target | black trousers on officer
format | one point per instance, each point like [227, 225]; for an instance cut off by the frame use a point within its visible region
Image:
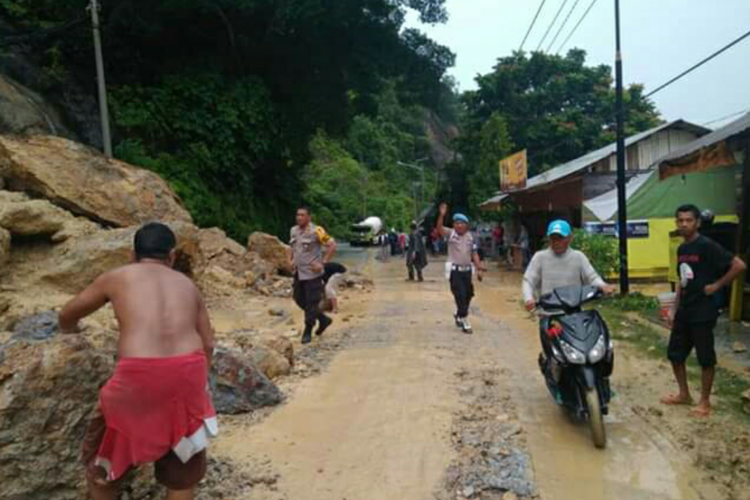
[307, 295]
[463, 291]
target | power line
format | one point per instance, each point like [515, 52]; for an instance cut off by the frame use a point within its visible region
[575, 28]
[732, 115]
[570, 12]
[533, 22]
[549, 28]
[697, 65]
[28, 36]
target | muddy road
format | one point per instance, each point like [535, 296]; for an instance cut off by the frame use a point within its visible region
[409, 408]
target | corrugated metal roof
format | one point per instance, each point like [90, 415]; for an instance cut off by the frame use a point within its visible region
[494, 201]
[604, 206]
[585, 161]
[734, 128]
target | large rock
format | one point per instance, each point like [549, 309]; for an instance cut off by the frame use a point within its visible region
[26, 217]
[4, 246]
[238, 385]
[86, 183]
[77, 262]
[272, 249]
[23, 111]
[47, 391]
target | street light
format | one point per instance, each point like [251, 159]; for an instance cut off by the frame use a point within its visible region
[421, 171]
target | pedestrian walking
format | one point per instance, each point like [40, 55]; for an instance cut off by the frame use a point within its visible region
[462, 253]
[416, 255]
[306, 243]
[704, 267]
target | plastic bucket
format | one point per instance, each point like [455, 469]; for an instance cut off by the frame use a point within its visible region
[666, 302]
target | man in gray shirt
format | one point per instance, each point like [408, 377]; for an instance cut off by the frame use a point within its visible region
[557, 266]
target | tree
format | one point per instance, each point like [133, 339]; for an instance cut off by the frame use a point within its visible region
[556, 107]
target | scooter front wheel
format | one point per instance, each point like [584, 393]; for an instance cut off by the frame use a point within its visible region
[596, 418]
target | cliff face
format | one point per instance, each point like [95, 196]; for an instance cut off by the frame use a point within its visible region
[33, 101]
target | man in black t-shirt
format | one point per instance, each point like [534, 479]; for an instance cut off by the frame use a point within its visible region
[704, 268]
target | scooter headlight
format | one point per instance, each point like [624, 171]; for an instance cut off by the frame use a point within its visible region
[598, 351]
[572, 355]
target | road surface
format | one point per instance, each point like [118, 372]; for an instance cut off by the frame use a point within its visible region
[377, 423]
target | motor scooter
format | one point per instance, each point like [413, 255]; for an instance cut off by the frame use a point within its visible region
[577, 355]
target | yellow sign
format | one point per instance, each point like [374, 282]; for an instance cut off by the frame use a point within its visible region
[513, 172]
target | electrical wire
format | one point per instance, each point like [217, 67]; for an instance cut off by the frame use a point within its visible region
[549, 28]
[533, 22]
[732, 115]
[562, 26]
[697, 65]
[575, 28]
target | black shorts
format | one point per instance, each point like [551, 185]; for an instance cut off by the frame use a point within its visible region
[685, 336]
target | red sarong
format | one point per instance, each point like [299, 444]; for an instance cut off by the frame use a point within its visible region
[152, 406]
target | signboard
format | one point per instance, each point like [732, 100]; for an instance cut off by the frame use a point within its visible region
[513, 172]
[636, 228]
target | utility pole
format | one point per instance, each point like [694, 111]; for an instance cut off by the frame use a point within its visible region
[102, 86]
[622, 209]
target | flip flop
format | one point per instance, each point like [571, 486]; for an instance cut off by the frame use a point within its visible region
[674, 400]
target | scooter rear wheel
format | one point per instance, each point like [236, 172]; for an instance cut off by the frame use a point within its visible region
[596, 419]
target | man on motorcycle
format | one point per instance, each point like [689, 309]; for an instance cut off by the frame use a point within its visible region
[558, 266]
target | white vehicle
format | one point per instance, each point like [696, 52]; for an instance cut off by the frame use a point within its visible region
[366, 232]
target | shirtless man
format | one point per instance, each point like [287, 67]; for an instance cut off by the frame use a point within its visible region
[156, 407]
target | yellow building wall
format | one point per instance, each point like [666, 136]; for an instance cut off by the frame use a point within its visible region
[652, 257]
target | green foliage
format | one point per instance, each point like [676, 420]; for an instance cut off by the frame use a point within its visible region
[495, 144]
[556, 107]
[602, 251]
[634, 301]
[223, 97]
[212, 140]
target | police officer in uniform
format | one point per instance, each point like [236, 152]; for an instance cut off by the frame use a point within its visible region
[306, 243]
[462, 253]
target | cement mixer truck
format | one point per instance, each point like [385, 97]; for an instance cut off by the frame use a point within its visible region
[365, 233]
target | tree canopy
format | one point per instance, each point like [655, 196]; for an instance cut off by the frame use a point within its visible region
[556, 107]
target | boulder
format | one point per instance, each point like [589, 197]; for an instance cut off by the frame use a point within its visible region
[47, 391]
[26, 217]
[217, 280]
[238, 385]
[86, 183]
[272, 249]
[269, 361]
[215, 243]
[23, 111]
[77, 262]
[280, 344]
[4, 246]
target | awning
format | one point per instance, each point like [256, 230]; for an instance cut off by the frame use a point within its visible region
[604, 206]
[708, 152]
[493, 203]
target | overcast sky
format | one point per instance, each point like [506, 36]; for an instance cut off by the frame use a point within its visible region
[660, 39]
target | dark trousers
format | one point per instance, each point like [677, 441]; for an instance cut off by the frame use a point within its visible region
[463, 291]
[412, 265]
[307, 295]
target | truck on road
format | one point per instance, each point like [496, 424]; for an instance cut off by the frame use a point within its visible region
[366, 233]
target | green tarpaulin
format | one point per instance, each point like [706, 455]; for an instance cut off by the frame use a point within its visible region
[715, 190]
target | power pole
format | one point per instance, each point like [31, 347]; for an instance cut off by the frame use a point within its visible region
[622, 209]
[102, 86]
